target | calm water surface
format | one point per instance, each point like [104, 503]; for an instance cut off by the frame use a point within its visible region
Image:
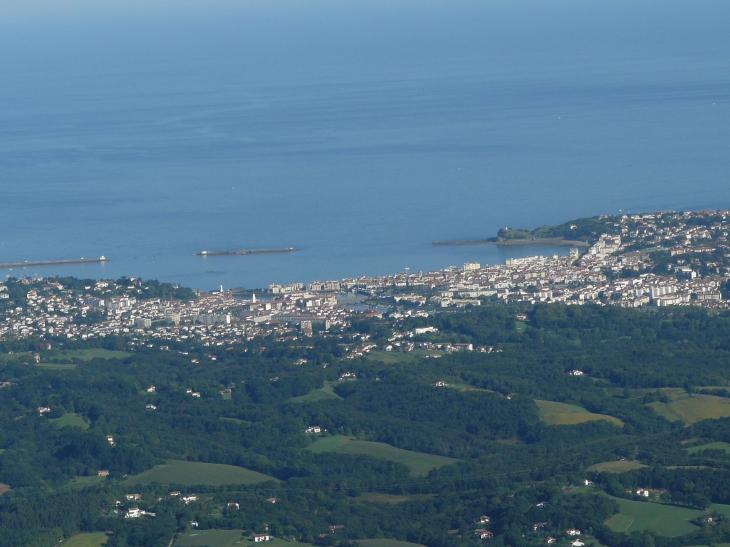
[357, 132]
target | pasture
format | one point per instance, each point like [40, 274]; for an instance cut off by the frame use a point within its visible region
[210, 538]
[70, 419]
[693, 408]
[553, 413]
[622, 466]
[418, 462]
[77, 483]
[635, 516]
[233, 420]
[723, 509]
[194, 473]
[325, 392]
[56, 366]
[94, 539]
[86, 354]
[710, 446]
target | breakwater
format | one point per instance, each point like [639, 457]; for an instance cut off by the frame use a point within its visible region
[50, 262]
[245, 251]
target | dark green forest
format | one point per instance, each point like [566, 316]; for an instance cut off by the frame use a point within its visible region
[639, 367]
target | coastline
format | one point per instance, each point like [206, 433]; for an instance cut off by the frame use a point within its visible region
[547, 241]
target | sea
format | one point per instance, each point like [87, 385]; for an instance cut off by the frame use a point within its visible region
[356, 131]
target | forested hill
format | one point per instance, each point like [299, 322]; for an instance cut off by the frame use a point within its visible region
[543, 418]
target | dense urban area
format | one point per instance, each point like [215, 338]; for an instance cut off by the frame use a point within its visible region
[579, 400]
[660, 259]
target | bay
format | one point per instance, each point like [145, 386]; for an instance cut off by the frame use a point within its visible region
[357, 132]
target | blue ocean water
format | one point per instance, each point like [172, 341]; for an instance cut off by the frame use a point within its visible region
[358, 132]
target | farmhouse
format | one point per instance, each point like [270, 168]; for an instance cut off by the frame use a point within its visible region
[233, 504]
[576, 372]
[538, 526]
[572, 532]
[103, 473]
[587, 482]
[440, 383]
[194, 523]
[549, 540]
[151, 389]
[188, 499]
[484, 519]
[261, 537]
[642, 492]
[576, 543]
[110, 439]
[483, 533]
[271, 500]
[313, 429]
[133, 496]
[334, 527]
[43, 409]
[175, 493]
[150, 406]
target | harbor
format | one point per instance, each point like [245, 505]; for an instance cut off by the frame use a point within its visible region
[245, 251]
[5, 265]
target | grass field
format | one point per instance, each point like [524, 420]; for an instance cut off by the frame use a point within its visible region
[211, 538]
[386, 543]
[193, 473]
[419, 463]
[694, 408]
[553, 413]
[666, 520]
[56, 366]
[4, 488]
[721, 508]
[233, 420]
[70, 419]
[78, 483]
[374, 497]
[325, 392]
[710, 446]
[94, 539]
[616, 467]
[85, 354]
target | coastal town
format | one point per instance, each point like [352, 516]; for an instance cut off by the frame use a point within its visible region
[656, 259]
